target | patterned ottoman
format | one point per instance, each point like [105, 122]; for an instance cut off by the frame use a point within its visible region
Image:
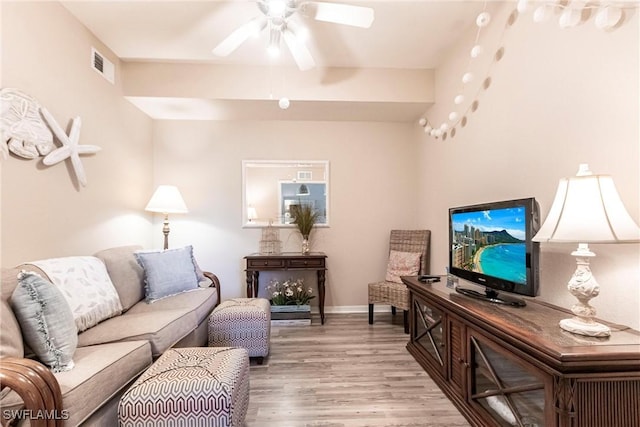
[242, 322]
[190, 387]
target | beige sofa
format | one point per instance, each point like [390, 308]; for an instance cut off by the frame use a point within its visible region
[109, 355]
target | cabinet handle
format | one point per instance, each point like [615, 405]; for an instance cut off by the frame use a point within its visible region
[266, 263]
[306, 262]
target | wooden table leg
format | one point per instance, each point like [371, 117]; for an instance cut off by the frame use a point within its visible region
[256, 274]
[321, 278]
[252, 284]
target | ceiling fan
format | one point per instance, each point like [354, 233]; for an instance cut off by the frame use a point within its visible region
[280, 18]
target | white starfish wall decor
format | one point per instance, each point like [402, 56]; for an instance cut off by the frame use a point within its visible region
[25, 131]
[70, 147]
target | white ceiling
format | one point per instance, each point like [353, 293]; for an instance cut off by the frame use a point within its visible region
[404, 35]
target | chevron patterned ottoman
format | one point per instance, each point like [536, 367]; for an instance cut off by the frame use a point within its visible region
[190, 387]
[242, 322]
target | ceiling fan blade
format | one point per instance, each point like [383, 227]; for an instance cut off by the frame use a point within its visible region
[242, 33]
[347, 14]
[299, 51]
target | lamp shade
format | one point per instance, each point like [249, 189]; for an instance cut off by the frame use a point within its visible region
[303, 190]
[167, 199]
[588, 209]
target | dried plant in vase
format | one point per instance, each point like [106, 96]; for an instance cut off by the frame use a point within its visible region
[305, 217]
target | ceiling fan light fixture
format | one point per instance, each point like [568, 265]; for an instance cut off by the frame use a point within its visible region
[275, 34]
[281, 17]
[276, 8]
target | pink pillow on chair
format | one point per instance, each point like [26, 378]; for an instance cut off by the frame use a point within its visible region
[402, 264]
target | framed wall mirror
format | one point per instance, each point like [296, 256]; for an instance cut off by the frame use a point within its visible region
[271, 189]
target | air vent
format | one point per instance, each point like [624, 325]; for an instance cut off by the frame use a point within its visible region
[305, 175]
[102, 65]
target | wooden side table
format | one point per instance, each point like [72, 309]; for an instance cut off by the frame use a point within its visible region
[287, 261]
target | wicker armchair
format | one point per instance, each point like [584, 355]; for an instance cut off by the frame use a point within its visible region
[397, 294]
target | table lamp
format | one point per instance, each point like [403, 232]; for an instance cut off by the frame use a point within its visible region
[586, 209]
[166, 199]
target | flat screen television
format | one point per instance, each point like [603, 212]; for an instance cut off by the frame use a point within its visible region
[490, 244]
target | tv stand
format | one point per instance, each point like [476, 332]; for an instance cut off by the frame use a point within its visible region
[493, 296]
[502, 365]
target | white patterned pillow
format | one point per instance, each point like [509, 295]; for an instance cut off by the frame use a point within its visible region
[402, 264]
[85, 284]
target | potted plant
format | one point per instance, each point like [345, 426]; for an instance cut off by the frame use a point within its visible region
[305, 217]
[289, 292]
[290, 302]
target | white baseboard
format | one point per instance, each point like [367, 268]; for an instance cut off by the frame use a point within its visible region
[378, 308]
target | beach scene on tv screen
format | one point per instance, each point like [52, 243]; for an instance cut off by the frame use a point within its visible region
[491, 242]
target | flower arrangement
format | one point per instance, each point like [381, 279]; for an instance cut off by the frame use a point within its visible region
[289, 292]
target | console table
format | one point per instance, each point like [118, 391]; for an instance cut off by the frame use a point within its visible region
[287, 261]
[503, 365]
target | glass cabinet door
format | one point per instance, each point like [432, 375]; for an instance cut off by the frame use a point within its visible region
[511, 392]
[428, 332]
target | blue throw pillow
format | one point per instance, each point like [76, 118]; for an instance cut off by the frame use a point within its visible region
[46, 321]
[168, 272]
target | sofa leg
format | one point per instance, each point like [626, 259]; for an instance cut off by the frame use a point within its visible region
[393, 310]
[405, 316]
[371, 314]
[260, 360]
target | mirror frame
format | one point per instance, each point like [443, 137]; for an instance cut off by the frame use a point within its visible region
[278, 220]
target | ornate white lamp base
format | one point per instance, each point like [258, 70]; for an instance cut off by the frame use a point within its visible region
[584, 286]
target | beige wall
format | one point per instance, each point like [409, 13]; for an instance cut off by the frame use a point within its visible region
[46, 53]
[372, 184]
[557, 98]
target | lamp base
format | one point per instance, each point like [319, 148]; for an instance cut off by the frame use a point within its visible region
[584, 287]
[580, 327]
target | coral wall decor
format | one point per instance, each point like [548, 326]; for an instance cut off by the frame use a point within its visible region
[26, 127]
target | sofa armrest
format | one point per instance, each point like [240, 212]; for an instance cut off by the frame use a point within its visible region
[38, 388]
[215, 283]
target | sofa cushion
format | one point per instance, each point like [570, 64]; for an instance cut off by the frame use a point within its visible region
[200, 302]
[168, 272]
[9, 282]
[162, 328]
[11, 337]
[46, 321]
[86, 285]
[126, 274]
[100, 372]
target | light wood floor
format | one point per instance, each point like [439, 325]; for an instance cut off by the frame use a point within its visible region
[345, 373]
